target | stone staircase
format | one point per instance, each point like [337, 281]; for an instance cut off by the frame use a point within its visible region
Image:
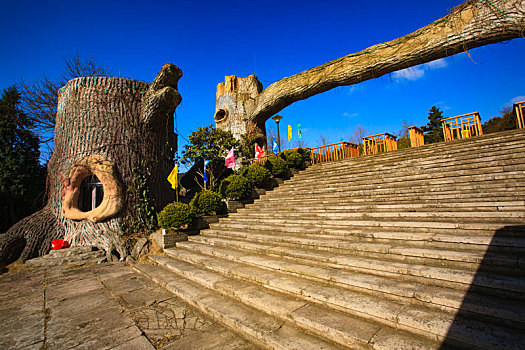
[421, 248]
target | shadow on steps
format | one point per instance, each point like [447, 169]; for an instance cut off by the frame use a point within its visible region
[502, 277]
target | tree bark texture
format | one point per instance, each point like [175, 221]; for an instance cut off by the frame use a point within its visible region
[473, 24]
[114, 128]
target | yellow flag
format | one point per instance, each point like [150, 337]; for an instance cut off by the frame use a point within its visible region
[173, 178]
[289, 133]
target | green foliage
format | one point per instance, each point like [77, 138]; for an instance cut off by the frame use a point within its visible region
[208, 202]
[175, 215]
[276, 165]
[208, 143]
[256, 175]
[507, 121]
[296, 158]
[434, 130]
[247, 148]
[22, 178]
[142, 217]
[235, 187]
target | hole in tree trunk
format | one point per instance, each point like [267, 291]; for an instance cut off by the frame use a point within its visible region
[91, 193]
[16, 248]
[220, 115]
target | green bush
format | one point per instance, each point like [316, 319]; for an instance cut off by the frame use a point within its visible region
[208, 202]
[175, 215]
[277, 166]
[235, 187]
[256, 175]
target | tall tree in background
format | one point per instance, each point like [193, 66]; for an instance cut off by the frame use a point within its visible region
[22, 178]
[40, 98]
[507, 121]
[433, 130]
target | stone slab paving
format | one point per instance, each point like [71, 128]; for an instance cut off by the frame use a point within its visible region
[105, 306]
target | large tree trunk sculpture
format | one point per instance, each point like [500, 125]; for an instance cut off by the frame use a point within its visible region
[115, 129]
[242, 109]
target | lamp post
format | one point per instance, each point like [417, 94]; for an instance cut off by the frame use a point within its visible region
[277, 119]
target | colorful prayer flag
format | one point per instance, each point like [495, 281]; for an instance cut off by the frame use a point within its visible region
[289, 133]
[258, 152]
[172, 178]
[299, 134]
[275, 147]
[230, 159]
[205, 178]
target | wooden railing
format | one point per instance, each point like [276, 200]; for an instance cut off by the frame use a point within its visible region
[377, 143]
[416, 136]
[332, 152]
[462, 127]
[326, 153]
[519, 107]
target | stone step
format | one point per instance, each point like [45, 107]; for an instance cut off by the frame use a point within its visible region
[497, 262]
[448, 182]
[262, 329]
[372, 229]
[422, 321]
[498, 244]
[434, 152]
[418, 180]
[517, 216]
[68, 256]
[497, 156]
[314, 173]
[397, 288]
[380, 206]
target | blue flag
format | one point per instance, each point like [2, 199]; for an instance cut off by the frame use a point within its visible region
[275, 146]
[205, 178]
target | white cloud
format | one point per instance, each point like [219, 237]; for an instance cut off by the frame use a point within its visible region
[412, 73]
[350, 115]
[516, 99]
[441, 63]
[417, 72]
[355, 88]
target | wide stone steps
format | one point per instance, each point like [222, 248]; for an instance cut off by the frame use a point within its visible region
[282, 310]
[497, 262]
[356, 167]
[415, 249]
[261, 328]
[380, 206]
[394, 314]
[439, 153]
[415, 170]
[511, 246]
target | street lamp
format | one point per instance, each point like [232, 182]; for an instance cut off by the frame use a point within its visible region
[277, 119]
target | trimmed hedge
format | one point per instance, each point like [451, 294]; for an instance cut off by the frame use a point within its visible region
[235, 187]
[296, 158]
[175, 215]
[208, 202]
[277, 166]
[256, 175]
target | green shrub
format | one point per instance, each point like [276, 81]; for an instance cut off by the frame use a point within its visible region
[175, 215]
[235, 187]
[208, 202]
[256, 175]
[277, 166]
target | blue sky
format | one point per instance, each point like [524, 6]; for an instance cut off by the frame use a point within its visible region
[274, 39]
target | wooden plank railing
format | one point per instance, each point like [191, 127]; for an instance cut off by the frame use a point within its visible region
[519, 107]
[416, 136]
[333, 152]
[326, 153]
[377, 143]
[462, 126]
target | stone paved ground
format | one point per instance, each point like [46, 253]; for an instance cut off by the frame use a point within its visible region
[106, 306]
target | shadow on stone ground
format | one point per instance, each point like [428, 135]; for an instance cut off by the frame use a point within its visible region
[508, 316]
[106, 306]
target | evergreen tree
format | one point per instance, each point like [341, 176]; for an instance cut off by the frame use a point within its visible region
[434, 130]
[22, 178]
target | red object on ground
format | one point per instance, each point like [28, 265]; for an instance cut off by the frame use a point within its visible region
[59, 244]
